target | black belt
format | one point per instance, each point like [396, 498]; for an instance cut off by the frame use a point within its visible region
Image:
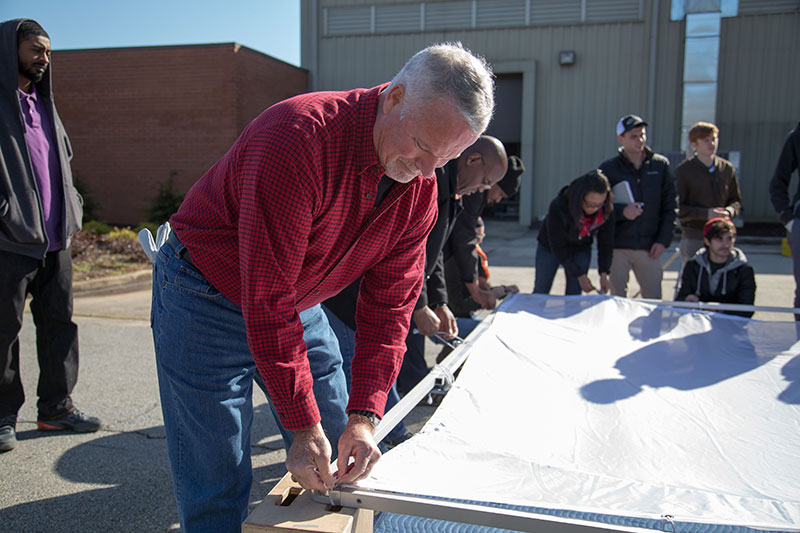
[176, 243]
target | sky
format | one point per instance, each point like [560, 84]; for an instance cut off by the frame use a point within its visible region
[269, 26]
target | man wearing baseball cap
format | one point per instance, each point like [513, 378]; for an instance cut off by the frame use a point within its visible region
[646, 218]
[719, 272]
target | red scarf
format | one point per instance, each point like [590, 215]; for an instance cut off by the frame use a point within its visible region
[590, 222]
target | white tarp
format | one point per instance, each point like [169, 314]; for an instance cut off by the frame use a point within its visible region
[606, 405]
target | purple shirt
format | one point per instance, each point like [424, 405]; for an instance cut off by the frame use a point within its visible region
[40, 138]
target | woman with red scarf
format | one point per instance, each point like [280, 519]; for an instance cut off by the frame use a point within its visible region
[579, 211]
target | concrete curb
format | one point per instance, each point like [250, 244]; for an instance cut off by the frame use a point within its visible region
[124, 282]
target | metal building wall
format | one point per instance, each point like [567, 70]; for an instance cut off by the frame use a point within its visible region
[758, 101]
[569, 112]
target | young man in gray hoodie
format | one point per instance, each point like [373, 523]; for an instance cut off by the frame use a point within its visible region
[719, 272]
[40, 210]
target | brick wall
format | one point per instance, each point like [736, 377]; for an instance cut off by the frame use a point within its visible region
[137, 115]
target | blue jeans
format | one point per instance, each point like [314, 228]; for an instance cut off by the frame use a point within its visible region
[547, 265]
[347, 345]
[205, 375]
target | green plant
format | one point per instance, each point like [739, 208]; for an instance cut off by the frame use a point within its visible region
[124, 233]
[152, 226]
[96, 227]
[166, 202]
[90, 204]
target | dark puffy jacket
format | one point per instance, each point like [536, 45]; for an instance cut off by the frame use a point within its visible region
[652, 184]
[732, 283]
[22, 229]
[560, 234]
[788, 162]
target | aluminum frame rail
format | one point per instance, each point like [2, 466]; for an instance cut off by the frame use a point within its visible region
[467, 513]
[716, 306]
[440, 375]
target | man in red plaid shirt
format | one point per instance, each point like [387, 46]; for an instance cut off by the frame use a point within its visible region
[318, 190]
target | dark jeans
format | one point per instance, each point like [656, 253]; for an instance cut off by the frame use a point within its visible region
[414, 365]
[50, 284]
[347, 345]
[793, 237]
[547, 265]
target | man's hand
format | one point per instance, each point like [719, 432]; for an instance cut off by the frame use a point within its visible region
[714, 212]
[447, 321]
[309, 459]
[656, 250]
[586, 284]
[502, 291]
[692, 298]
[483, 297]
[632, 211]
[604, 288]
[357, 442]
[426, 320]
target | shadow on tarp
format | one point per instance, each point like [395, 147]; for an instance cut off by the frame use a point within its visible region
[791, 371]
[732, 346]
[138, 494]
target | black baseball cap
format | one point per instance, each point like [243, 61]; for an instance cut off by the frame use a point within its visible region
[629, 122]
[511, 181]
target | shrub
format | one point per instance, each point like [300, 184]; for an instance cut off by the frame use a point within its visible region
[166, 202]
[124, 233]
[152, 226]
[90, 204]
[97, 228]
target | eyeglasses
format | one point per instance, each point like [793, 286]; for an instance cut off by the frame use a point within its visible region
[588, 205]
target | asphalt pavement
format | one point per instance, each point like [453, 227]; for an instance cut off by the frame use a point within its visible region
[118, 478]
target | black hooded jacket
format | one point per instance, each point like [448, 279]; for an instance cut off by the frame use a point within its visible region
[22, 229]
[561, 235]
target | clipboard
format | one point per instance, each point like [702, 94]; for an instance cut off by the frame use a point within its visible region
[622, 193]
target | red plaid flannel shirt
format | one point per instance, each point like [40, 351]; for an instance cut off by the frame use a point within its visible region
[286, 219]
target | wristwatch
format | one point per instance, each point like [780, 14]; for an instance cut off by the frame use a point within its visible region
[373, 418]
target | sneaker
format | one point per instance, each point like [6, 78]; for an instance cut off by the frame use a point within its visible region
[8, 433]
[74, 420]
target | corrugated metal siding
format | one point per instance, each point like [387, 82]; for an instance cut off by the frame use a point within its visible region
[555, 11]
[402, 17]
[448, 15]
[758, 101]
[501, 13]
[612, 10]
[759, 7]
[347, 21]
[576, 108]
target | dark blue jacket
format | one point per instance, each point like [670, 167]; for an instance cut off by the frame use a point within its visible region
[788, 162]
[652, 184]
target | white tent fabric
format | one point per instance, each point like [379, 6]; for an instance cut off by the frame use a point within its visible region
[604, 405]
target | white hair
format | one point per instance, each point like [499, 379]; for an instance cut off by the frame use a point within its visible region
[450, 70]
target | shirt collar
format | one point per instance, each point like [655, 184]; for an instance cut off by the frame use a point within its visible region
[365, 155]
[30, 96]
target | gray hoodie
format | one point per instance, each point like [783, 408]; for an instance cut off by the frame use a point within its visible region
[736, 259]
[22, 229]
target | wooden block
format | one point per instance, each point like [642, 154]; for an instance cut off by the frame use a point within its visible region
[289, 508]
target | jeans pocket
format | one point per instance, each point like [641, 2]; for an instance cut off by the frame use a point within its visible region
[189, 280]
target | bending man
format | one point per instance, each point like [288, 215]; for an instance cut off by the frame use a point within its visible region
[318, 191]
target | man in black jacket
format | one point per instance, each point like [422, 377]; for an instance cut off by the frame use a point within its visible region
[788, 162]
[467, 288]
[644, 225]
[39, 212]
[477, 169]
